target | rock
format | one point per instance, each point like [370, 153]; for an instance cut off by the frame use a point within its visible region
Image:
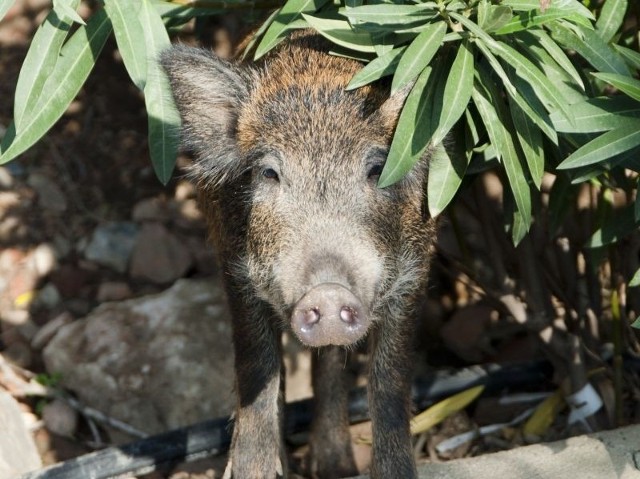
[43, 259]
[48, 297]
[60, 418]
[112, 244]
[156, 362]
[150, 209]
[6, 180]
[48, 331]
[50, 195]
[18, 453]
[113, 291]
[159, 256]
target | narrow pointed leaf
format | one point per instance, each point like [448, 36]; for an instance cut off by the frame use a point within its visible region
[443, 409]
[611, 18]
[418, 55]
[67, 8]
[503, 142]
[529, 103]
[457, 92]
[530, 140]
[38, 65]
[402, 155]
[591, 47]
[598, 114]
[289, 12]
[130, 38]
[525, 69]
[605, 146]
[77, 58]
[556, 53]
[164, 121]
[632, 57]
[495, 18]
[574, 6]
[624, 83]
[340, 33]
[382, 14]
[377, 68]
[544, 415]
[534, 18]
[445, 177]
[635, 281]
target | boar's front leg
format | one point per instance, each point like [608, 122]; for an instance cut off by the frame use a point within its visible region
[390, 400]
[331, 452]
[256, 447]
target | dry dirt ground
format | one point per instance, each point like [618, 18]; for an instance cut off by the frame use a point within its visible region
[93, 168]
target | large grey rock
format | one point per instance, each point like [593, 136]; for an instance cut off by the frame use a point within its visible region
[157, 362]
[18, 453]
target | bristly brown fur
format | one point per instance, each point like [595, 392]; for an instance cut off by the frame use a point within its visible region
[284, 162]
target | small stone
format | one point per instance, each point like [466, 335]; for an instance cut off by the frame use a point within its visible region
[49, 330]
[6, 180]
[113, 291]
[112, 244]
[60, 418]
[19, 353]
[50, 195]
[186, 214]
[48, 297]
[159, 256]
[43, 259]
[184, 191]
[150, 209]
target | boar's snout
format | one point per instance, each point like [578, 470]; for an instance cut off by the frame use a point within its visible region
[329, 314]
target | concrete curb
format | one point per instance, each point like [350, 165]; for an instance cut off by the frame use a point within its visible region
[605, 455]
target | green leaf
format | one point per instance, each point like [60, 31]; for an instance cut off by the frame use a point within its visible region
[573, 6]
[591, 47]
[77, 58]
[130, 38]
[340, 33]
[402, 154]
[445, 177]
[545, 90]
[533, 18]
[616, 226]
[38, 65]
[67, 8]
[555, 52]
[499, 129]
[530, 140]
[632, 57]
[637, 202]
[418, 55]
[377, 68]
[624, 83]
[5, 5]
[164, 120]
[494, 17]
[611, 18]
[457, 92]
[635, 281]
[289, 12]
[636, 323]
[443, 409]
[605, 146]
[597, 114]
[383, 14]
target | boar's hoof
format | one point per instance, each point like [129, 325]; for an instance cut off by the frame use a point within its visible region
[329, 314]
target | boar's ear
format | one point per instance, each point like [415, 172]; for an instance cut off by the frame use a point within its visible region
[209, 93]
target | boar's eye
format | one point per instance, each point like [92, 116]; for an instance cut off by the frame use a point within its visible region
[375, 171]
[270, 174]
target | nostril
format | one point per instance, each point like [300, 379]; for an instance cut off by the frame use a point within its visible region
[348, 314]
[311, 316]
